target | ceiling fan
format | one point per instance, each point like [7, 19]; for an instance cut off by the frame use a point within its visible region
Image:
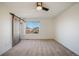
[41, 7]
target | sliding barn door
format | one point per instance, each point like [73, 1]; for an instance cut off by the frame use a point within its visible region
[16, 31]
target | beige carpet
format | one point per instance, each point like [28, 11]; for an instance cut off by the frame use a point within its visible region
[39, 48]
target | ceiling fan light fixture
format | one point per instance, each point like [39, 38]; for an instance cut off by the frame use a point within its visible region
[39, 7]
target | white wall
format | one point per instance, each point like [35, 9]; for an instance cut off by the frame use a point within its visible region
[45, 31]
[67, 28]
[5, 29]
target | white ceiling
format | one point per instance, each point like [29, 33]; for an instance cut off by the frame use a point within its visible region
[27, 9]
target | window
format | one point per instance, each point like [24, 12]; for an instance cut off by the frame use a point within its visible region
[32, 27]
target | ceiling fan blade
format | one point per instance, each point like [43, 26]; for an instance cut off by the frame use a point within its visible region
[44, 8]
